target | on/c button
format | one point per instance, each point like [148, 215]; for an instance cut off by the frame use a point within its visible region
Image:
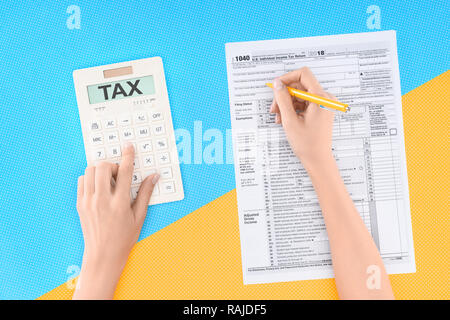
[168, 187]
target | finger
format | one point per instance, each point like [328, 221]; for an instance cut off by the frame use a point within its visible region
[145, 192]
[312, 109]
[272, 107]
[114, 170]
[326, 112]
[284, 101]
[103, 175]
[296, 85]
[126, 167]
[89, 180]
[315, 109]
[80, 188]
[304, 77]
[330, 96]
[277, 118]
[299, 106]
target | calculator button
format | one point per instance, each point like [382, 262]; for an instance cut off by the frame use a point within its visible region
[168, 187]
[156, 116]
[97, 139]
[161, 144]
[163, 158]
[134, 192]
[99, 154]
[128, 134]
[145, 146]
[112, 137]
[125, 120]
[136, 178]
[147, 173]
[159, 129]
[166, 173]
[114, 152]
[136, 163]
[155, 190]
[140, 117]
[148, 161]
[95, 125]
[109, 123]
[143, 132]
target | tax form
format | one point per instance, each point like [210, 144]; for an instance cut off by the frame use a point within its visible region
[283, 236]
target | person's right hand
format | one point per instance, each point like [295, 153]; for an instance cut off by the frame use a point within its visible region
[308, 127]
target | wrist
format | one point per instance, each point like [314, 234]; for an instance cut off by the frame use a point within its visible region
[99, 277]
[318, 163]
[102, 264]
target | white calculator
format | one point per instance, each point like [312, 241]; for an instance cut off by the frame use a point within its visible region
[128, 102]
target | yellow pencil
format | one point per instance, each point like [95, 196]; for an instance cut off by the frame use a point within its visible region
[316, 99]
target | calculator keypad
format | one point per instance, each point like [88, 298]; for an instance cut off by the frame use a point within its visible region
[147, 132]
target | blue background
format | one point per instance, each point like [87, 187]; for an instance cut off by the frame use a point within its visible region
[42, 151]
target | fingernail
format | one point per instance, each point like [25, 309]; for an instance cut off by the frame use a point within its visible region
[127, 145]
[155, 178]
[278, 84]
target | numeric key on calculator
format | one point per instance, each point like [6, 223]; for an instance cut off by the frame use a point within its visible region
[147, 173]
[99, 154]
[136, 178]
[134, 192]
[114, 152]
[155, 190]
[136, 162]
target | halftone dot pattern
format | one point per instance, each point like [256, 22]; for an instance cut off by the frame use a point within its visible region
[426, 119]
[198, 257]
[42, 151]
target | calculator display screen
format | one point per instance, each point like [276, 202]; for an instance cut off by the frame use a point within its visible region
[122, 89]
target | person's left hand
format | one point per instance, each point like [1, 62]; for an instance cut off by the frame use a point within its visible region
[110, 221]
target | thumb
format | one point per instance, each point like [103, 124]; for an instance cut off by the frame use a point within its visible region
[145, 191]
[284, 101]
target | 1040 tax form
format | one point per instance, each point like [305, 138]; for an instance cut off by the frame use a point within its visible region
[283, 235]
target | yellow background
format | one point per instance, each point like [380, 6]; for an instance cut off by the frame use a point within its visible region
[199, 256]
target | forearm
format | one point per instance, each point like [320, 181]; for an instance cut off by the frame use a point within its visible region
[98, 279]
[353, 250]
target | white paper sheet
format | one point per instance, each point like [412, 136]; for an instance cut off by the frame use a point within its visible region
[283, 236]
